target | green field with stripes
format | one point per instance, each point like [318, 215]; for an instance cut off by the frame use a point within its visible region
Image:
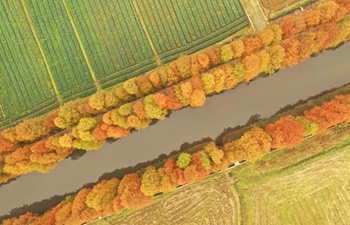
[53, 51]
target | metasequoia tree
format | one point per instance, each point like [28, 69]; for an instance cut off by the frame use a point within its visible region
[251, 65]
[6, 145]
[309, 126]
[63, 214]
[226, 53]
[238, 70]
[31, 130]
[154, 77]
[111, 100]
[311, 17]
[183, 160]
[126, 109]
[102, 194]
[85, 128]
[28, 219]
[129, 191]
[251, 45]
[117, 132]
[150, 181]
[100, 131]
[344, 32]
[266, 36]
[123, 95]
[183, 65]
[49, 120]
[230, 79]
[160, 99]
[285, 132]
[251, 146]
[97, 100]
[214, 153]
[208, 83]
[307, 45]
[277, 54]
[327, 11]
[214, 55]
[326, 35]
[131, 87]
[197, 98]
[173, 103]
[152, 109]
[292, 25]
[68, 115]
[81, 212]
[277, 30]
[118, 119]
[264, 59]
[237, 46]
[186, 89]
[191, 174]
[292, 50]
[203, 61]
[328, 114]
[139, 110]
[144, 84]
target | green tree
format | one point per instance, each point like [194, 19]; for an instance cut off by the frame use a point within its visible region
[183, 160]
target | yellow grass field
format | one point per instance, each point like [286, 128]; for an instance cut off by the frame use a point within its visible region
[208, 202]
[318, 194]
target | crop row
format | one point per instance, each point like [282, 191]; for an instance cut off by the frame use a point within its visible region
[60, 45]
[115, 43]
[19, 57]
[176, 26]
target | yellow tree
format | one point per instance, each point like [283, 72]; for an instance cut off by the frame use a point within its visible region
[251, 146]
[251, 65]
[150, 181]
[102, 194]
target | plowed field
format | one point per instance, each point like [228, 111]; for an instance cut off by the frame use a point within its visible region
[276, 5]
[209, 202]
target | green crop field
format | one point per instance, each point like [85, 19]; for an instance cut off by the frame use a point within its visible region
[54, 51]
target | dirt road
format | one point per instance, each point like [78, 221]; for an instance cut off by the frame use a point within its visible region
[263, 96]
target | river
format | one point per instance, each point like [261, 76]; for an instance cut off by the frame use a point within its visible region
[264, 96]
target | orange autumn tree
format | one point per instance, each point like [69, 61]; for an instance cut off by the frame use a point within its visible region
[327, 11]
[81, 212]
[285, 132]
[27, 219]
[312, 18]
[326, 35]
[129, 191]
[251, 65]
[292, 25]
[63, 214]
[31, 130]
[328, 114]
[251, 146]
[251, 45]
[292, 50]
[307, 46]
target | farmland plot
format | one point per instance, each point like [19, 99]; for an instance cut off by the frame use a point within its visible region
[183, 27]
[316, 194]
[207, 202]
[61, 48]
[276, 5]
[115, 41]
[25, 86]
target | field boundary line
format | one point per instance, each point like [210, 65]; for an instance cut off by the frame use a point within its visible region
[32, 28]
[25, 8]
[96, 81]
[144, 27]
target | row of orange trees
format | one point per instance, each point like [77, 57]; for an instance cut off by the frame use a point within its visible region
[137, 190]
[187, 81]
